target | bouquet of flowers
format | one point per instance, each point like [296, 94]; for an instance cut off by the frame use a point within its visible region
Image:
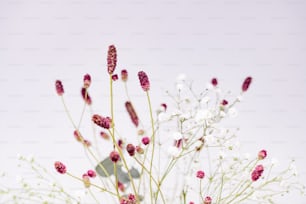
[180, 153]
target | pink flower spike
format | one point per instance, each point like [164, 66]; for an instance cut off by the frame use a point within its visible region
[144, 81]
[91, 173]
[87, 80]
[214, 82]
[59, 87]
[104, 122]
[207, 200]
[115, 77]
[132, 113]
[114, 156]
[86, 96]
[246, 84]
[145, 140]
[262, 154]
[60, 167]
[200, 174]
[111, 59]
[124, 75]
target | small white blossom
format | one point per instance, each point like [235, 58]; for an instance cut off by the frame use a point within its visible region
[232, 112]
[181, 77]
[163, 117]
[240, 98]
[173, 151]
[177, 135]
[205, 100]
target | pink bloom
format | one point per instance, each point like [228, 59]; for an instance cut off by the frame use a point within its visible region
[130, 148]
[131, 111]
[115, 77]
[200, 174]
[144, 81]
[124, 75]
[246, 84]
[86, 80]
[207, 200]
[91, 173]
[111, 59]
[59, 87]
[121, 186]
[262, 154]
[60, 167]
[104, 122]
[214, 82]
[145, 140]
[224, 102]
[257, 172]
[86, 180]
[86, 96]
[114, 156]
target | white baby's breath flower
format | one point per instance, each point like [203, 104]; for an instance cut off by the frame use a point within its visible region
[184, 116]
[205, 100]
[210, 140]
[293, 169]
[274, 161]
[202, 115]
[162, 117]
[232, 112]
[209, 86]
[181, 78]
[177, 135]
[247, 156]
[222, 114]
[173, 151]
[240, 98]
[179, 86]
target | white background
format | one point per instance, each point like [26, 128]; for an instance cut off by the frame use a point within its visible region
[45, 40]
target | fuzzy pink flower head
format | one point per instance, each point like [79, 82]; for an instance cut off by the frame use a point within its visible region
[262, 154]
[86, 80]
[115, 77]
[207, 200]
[124, 75]
[246, 84]
[114, 156]
[60, 167]
[130, 148]
[214, 82]
[104, 122]
[59, 87]
[111, 59]
[259, 168]
[144, 80]
[200, 174]
[132, 113]
[257, 172]
[91, 173]
[85, 96]
[145, 140]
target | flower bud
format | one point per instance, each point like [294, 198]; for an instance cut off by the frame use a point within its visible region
[124, 75]
[214, 82]
[132, 113]
[86, 80]
[114, 156]
[130, 148]
[200, 174]
[207, 200]
[262, 154]
[59, 87]
[91, 173]
[144, 81]
[246, 84]
[60, 167]
[86, 96]
[145, 140]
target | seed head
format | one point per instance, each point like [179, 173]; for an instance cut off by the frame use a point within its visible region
[111, 59]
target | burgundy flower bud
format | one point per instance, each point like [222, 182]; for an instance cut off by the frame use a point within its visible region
[104, 122]
[139, 150]
[86, 180]
[104, 135]
[132, 198]
[130, 148]
[111, 59]
[262, 154]
[224, 102]
[121, 186]
[120, 143]
[144, 81]
[178, 143]
[200, 174]
[207, 200]
[124, 75]
[257, 172]
[246, 84]
[77, 136]
[145, 140]
[214, 82]
[91, 173]
[259, 168]
[60, 167]
[131, 111]
[115, 77]
[86, 96]
[164, 106]
[59, 87]
[87, 80]
[114, 156]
